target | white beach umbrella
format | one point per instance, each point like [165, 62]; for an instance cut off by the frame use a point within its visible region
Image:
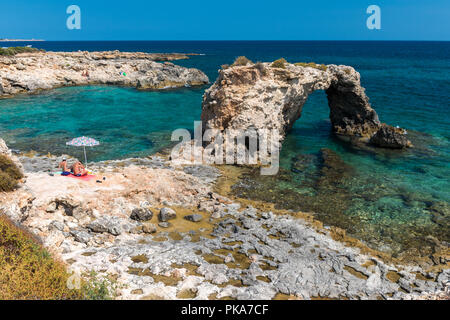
[83, 142]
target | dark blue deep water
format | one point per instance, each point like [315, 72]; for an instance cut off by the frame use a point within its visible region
[393, 200]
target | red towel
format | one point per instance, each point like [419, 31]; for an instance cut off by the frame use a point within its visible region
[84, 178]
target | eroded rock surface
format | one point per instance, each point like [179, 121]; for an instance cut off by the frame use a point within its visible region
[263, 97]
[29, 72]
[233, 251]
[4, 150]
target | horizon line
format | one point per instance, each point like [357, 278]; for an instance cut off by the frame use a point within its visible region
[229, 40]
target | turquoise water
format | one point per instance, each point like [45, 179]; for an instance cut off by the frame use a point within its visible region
[129, 123]
[393, 200]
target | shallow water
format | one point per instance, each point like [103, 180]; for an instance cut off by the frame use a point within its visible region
[128, 123]
[391, 199]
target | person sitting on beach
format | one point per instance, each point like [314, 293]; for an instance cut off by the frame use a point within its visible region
[63, 166]
[78, 169]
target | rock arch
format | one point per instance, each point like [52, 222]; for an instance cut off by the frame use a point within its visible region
[263, 97]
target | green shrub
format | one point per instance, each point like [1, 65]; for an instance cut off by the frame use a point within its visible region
[28, 271]
[11, 51]
[10, 174]
[6, 183]
[312, 65]
[241, 61]
[280, 63]
[95, 287]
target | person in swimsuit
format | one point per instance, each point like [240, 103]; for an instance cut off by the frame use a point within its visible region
[79, 170]
[63, 166]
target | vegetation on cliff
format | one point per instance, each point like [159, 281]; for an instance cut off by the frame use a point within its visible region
[312, 65]
[9, 174]
[11, 51]
[280, 63]
[28, 271]
[241, 61]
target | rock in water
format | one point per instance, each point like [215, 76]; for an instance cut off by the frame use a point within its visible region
[141, 214]
[166, 214]
[244, 97]
[194, 217]
[390, 137]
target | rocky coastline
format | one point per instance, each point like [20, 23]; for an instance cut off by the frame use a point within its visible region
[34, 71]
[164, 230]
[180, 239]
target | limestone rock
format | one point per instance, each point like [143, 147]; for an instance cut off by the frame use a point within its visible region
[244, 97]
[4, 150]
[166, 214]
[165, 224]
[68, 204]
[148, 228]
[141, 214]
[58, 225]
[108, 224]
[193, 217]
[29, 72]
[390, 137]
[81, 236]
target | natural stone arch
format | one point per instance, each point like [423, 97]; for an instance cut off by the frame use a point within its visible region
[263, 97]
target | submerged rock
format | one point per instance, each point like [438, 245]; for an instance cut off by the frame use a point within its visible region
[333, 169]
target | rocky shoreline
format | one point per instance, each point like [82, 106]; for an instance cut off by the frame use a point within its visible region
[34, 71]
[162, 232]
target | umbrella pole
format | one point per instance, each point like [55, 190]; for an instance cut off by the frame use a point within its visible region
[85, 158]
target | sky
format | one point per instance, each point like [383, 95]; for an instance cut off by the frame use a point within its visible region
[226, 20]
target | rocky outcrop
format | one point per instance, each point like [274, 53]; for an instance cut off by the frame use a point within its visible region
[388, 137]
[29, 72]
[4, 150]
[260, 96]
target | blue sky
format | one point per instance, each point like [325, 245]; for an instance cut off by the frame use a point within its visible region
[226, 20]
